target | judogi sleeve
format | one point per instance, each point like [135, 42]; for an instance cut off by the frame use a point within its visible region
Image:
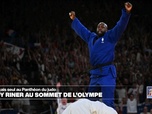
[116, 32]
[81, 30]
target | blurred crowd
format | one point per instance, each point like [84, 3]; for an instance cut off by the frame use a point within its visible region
[53, 53]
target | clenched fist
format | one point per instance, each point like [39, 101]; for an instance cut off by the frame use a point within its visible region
[72, 15]
[128, 6]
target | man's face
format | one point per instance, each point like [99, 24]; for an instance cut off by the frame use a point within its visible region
[64, 101]
[101, 28]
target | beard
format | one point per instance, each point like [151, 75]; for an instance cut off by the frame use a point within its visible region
[100, 34]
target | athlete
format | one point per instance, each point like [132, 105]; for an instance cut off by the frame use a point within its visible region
[101, 51]
[62, 102]
[85, 106]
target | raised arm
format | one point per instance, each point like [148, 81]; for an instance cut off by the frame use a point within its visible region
[121, 25]
[79, 28]
[58, 85]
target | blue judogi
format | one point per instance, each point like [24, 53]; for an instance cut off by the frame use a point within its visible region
[101, 52]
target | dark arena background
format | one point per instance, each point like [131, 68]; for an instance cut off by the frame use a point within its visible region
[38, 49]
